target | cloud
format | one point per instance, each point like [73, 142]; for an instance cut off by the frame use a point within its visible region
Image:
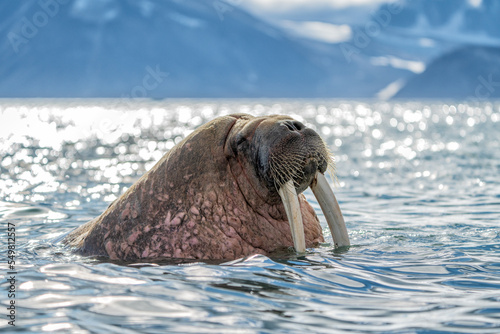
[287, 5]
[325, 32]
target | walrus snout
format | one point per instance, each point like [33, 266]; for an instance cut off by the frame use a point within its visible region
[297, 155]
[292, 125]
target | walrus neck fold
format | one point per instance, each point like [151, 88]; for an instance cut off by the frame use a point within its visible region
[256, 196]
[243, 158]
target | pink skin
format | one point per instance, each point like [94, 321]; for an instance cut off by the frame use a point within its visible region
[198, 202]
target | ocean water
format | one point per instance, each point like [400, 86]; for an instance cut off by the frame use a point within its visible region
[418, 183]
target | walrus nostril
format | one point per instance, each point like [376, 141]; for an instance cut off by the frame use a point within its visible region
[293, 125]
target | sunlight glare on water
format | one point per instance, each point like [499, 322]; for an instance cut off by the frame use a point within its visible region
[418, 184]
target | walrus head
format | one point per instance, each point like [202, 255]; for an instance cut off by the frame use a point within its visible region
[286, 158]
[226, 190]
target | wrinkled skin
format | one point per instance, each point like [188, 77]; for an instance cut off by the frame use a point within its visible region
[212, 196]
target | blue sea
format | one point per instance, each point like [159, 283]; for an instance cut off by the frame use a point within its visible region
[418, 183]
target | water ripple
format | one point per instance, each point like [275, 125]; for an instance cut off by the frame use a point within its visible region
[418, 183]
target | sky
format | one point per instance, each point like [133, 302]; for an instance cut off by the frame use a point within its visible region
[283, 5]
[322, 20]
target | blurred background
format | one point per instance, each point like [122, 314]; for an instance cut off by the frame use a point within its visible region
[253, 48]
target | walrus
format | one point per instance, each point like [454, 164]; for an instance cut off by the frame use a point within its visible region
[228, 190]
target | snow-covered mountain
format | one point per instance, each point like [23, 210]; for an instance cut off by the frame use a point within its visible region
[461, 21]
[468, 73]
[405, 34]
[213, 48]
[155, 48]
[462, 38]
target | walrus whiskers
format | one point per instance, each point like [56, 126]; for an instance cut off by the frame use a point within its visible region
[284, 169]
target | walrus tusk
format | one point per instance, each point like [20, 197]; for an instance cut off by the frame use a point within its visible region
[290, 200]
[331, 209]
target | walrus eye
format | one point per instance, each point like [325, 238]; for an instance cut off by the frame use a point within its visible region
[240, 141]
[236, 144]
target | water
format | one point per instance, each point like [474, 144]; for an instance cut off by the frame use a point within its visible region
[418, 183]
